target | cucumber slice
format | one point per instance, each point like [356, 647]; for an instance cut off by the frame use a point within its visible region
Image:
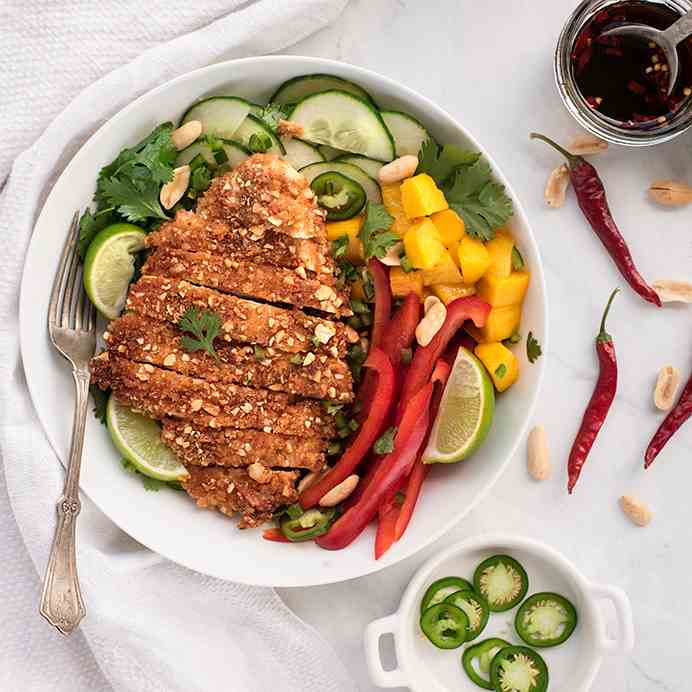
[298, 88]
[346, 122]
[252, 125]
[369, 166]
[256, 109]
[220, 116]
[330, 153]
[235, 153]
[372, 189]
[407, 132]
[299, 153]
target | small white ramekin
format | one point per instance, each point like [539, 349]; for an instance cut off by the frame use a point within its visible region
[572, 666]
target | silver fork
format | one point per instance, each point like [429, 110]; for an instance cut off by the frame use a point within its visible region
[72, 329]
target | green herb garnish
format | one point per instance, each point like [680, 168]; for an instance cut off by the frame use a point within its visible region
[501, 370]
[100, 402]
[406, 264]
[517, 260]
[440, 163]
[533, 348]
[374, 233]
[204, 326]
[259, 142]
[385, 442]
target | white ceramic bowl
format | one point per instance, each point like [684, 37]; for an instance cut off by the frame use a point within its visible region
[572, 666]
[168, 522]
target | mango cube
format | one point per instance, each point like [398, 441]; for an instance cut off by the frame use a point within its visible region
[499, 325]
[423, 245]
[450, 226]
[444, 272]
[420, 196]
[391, 198]
[474, 259]
[500, 251]
[402, 283]
[350, 228]
[449, 292]
[501, 292]
[501, 364]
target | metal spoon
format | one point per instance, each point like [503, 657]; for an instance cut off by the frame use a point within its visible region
[667, 40]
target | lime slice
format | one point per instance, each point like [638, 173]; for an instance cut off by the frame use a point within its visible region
[466, 412]
[138, 439]
[109, 266]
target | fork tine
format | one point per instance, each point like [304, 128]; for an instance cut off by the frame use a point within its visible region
[60, 274]
[69, 288]
[91, 323]
[84, 309]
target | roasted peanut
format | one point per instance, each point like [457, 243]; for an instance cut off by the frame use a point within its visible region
[430, 324]
[340, 492]
[673, 291]
[556, 187]
[666, 388]
[583, 145]
[670, 193]
[311, 477]
[172, 192]
[393, 256]
[397, 170]
[538, 462]
[186, 134]
[636, 510]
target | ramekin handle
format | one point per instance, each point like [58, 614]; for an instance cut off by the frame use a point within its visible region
[373, 633]
[623, 612]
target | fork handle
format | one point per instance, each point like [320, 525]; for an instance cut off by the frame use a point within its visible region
[61, 600]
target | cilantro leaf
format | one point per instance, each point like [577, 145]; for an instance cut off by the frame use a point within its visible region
[501, 370]
[332, 407]
[89, 225]
[259, 142]
[200, 180]
[205, 327]
[385, 442]
[481, 203]
[441, 163]
[374, 234]
[339, 246]
[100, 402]
[533, 348]
[368, 285]
[136, 199]
[260, 353]
[272, 113]
[355, 358]
[513, 338]
[517, 260]
[406, 264]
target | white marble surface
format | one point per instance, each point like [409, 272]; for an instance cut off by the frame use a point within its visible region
[490, 65]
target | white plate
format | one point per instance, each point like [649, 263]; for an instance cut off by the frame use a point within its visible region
[167, 522]
[571, 666]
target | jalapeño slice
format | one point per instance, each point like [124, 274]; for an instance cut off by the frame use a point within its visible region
[477, 659]
[502, 581]
[444, 625]
[313, 523]
[545, 619]
[341, 196]
[518, 669]
[476, 610]
[440, 589]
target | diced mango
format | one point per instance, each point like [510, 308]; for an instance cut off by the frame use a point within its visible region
[501, 292]
[500, 251]
[358, 290]
[402, 283]
[499, 325]
[350, 228]
[391, 198]
[423, 245]
[474, 259]
[444, 272]
[420, 196]
[449, 292]
[450, 226]
[501, 364]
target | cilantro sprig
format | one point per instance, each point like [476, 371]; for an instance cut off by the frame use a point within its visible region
[533, 348]
[374, 234]
[204, 326]
[385, 442]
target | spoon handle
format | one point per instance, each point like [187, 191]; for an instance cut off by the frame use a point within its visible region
[680, 30]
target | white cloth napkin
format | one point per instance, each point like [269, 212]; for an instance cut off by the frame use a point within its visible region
[150, 624]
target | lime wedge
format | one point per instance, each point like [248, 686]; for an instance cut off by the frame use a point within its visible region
[109, 266]
[138, 439]
[466, 412]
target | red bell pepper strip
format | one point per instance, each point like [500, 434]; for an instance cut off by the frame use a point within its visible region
[367, 435]
[385, 530]
[383, 299]
[387, 478]
[424, 360]
[677, 416]
[420, 470]
[275, 535]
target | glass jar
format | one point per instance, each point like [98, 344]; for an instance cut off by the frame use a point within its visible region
[591, 119]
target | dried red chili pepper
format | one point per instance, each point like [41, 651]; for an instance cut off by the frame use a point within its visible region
[592, 200]
[674, 420]
[600, 402]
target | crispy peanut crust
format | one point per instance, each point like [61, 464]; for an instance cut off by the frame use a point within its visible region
[145, 340]
[161, 393]
[232, 491]
[190, 231]
[199, 446]
[264, 192]
[243, 320]
[273, 284]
